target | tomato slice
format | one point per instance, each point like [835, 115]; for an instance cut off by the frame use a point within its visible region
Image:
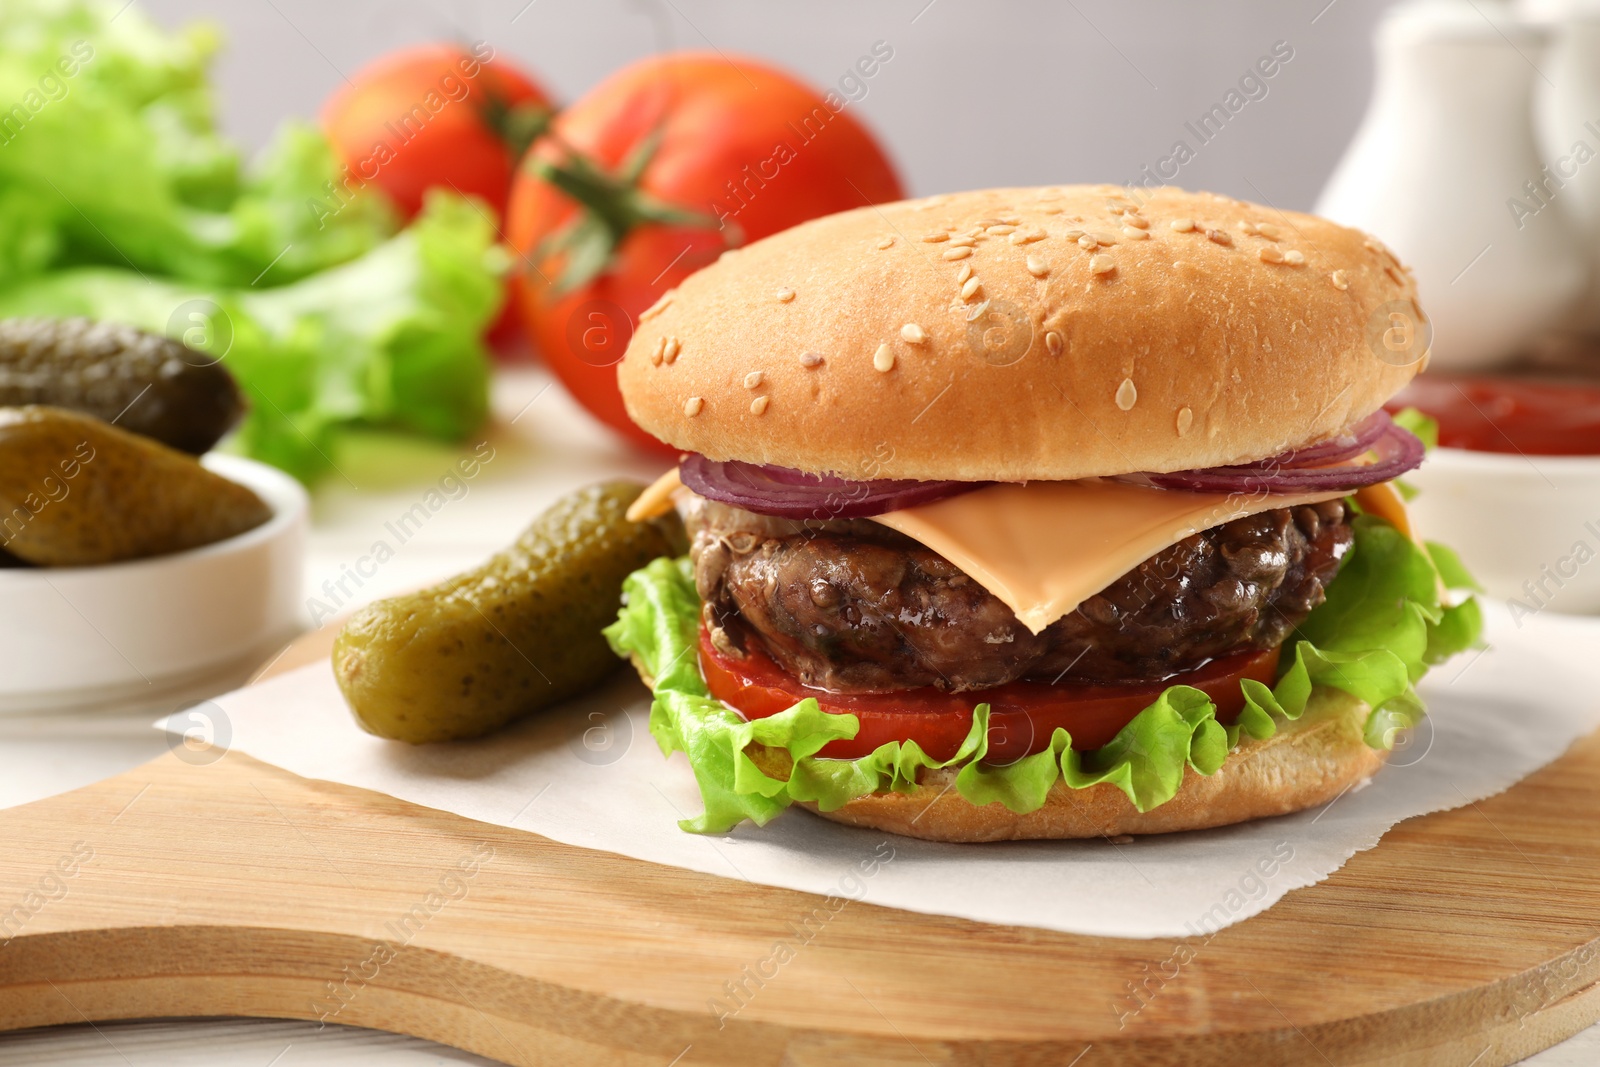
[1022, 715]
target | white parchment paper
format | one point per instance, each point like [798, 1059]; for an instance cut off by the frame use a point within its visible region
[591, 775]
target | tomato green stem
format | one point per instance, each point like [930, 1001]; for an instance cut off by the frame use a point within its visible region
[612, 206]
[517, 126]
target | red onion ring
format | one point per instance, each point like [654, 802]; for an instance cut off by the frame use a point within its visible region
[1397, 451]
[1348, 445]
[792, 494]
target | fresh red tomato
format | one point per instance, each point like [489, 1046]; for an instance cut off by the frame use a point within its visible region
[1022, 715]
[654, 174]
[437, 115]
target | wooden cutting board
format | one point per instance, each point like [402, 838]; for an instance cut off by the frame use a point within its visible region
[234, 888]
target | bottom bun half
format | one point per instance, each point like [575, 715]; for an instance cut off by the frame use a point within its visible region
[1307, 763]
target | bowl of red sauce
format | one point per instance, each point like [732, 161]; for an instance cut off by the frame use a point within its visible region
[1514, 485]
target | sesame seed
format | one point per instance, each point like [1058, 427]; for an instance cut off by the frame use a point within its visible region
[1052, 210]
[883, 359]
[978, 311]
[971, 289]
[655, 356]
[1102, 264]
[1220, 237]
[1135, 235]
[1247, 228]
[1037, 267]
[784, 295]
[1002, 230]
[1269, 254]
[1127, 395]
[1182, 225]
[1135, 220]
[669, 353]
[1269, 231]
[1340, 279]
[1185, 420]
[658, 307]
[1294, 257]
[1088, 242]
[1011, 220]
[1027, 237]
[912, 334]
[758, 406]
[885, 242]
[1073, 235]
[692, 406]
[935, 237]
[1053, 343]
[963, 274]
[811, 360]
[964, 241]
[1394, 275]
[958, 252]
[754, 379]
[1104, 238]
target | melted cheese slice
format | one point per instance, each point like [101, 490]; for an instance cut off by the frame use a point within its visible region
[656, 500]
[1384, 501]
[1045, 547]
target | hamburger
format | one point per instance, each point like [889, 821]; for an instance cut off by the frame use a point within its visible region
[1037, 513]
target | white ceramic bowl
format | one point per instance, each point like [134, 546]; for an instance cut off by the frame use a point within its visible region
[89, 636]
[1528, 527]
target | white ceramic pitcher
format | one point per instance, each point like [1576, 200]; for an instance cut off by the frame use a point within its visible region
[1446, 171]
[1568, 110]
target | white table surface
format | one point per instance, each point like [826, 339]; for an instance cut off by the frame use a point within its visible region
[543, 446]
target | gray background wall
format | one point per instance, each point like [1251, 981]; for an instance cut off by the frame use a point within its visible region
[991, 93]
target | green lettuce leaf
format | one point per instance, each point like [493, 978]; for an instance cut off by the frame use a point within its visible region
[390, 339]
[1425, 426]
[110, 155]
[1383, 623]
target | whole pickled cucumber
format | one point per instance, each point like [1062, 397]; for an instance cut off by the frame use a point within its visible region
[516, 635]
[75, 491]
[145, 383]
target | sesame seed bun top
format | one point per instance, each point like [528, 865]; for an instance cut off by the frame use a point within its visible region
[1013, 334]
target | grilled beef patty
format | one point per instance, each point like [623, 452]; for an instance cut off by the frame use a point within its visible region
[853, 606]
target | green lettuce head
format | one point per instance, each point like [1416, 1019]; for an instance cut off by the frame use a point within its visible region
[121, 200]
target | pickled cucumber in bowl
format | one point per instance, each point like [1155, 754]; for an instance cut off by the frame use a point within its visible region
[147, 384]
[78, 492]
